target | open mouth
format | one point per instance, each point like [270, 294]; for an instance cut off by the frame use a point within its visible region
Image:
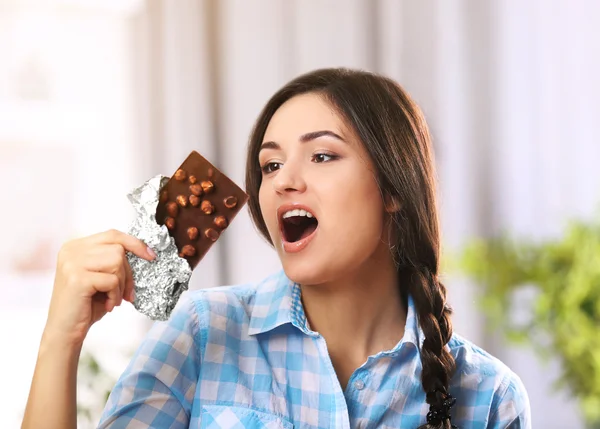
[298, 224]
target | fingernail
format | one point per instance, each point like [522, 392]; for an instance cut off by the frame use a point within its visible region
[151, 253]
[132, 295]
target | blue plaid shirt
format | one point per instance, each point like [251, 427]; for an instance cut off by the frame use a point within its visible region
[245, 357]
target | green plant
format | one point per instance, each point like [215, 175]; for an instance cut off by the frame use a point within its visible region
[563, 312]
[93, 388]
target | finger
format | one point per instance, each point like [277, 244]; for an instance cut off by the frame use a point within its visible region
[106, 283]
[104, 258]
[122, 274]
[128, 292]
[111, 259]
[129, 243]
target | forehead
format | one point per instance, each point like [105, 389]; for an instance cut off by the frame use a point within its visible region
[301, 114]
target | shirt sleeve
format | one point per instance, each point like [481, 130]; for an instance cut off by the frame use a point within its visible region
[158, 386]
[513, 410]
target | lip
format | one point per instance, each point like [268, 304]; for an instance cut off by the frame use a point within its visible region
[299, 245]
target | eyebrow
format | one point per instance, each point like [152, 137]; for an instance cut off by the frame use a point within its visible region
[304, 139]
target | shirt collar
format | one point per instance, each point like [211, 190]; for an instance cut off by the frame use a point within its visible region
[413, 334]
[278, 301]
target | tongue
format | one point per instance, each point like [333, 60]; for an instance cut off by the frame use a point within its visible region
[308, 230]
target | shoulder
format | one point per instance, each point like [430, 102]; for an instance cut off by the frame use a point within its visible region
[480, 366]
[230, 306]
[231, 297]
[491, 382]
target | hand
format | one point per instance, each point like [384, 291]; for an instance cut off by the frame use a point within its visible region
[93, 277]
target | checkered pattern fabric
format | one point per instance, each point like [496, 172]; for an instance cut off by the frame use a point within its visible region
[245, 357]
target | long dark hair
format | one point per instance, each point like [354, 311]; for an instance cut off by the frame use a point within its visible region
[394, 132]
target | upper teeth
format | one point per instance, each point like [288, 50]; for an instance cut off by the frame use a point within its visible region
[297, 212]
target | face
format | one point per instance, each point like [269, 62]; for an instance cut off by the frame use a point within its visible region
[318, 196]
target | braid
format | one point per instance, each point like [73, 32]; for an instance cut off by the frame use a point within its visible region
[438, 364]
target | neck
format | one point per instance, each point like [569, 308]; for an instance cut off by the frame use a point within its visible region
[358, 315]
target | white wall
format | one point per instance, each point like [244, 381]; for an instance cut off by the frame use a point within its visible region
[66, 165]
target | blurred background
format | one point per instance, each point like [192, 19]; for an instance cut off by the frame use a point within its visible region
[97, 96]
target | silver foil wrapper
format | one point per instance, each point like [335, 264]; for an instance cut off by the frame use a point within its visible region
[158, 283]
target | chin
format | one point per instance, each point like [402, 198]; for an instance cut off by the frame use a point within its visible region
[305, 271]
[314, 270]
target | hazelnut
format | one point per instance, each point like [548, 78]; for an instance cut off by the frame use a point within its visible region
[180, 175]
[164, 196]
[172, 209]
[207, 186]
[196, 189]
[188, 250]
[221, 222]
[194, 200]
[211, 234]
[170, 223]
[207, 207]
[181, 200]
[192, 232]
[230, 202]
[192, 179]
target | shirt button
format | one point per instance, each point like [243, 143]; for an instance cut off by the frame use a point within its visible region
[359, 385]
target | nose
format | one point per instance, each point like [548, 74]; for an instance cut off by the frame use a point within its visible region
[289, 179]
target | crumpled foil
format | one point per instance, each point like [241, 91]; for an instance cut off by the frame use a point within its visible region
[159, 283]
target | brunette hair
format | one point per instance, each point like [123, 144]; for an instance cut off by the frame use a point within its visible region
[393, 130]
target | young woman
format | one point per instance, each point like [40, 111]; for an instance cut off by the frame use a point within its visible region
[354, 332]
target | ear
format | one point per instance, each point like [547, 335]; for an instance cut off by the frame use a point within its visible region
[392, 204]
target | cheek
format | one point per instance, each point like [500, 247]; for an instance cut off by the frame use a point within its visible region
[357, 206]
[267, 208]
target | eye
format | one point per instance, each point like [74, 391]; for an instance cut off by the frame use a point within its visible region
[323, 157]
[270, 167]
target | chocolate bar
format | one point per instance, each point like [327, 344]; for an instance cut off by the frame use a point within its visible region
[197, 204]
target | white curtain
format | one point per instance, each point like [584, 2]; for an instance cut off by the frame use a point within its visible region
[510, 89]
